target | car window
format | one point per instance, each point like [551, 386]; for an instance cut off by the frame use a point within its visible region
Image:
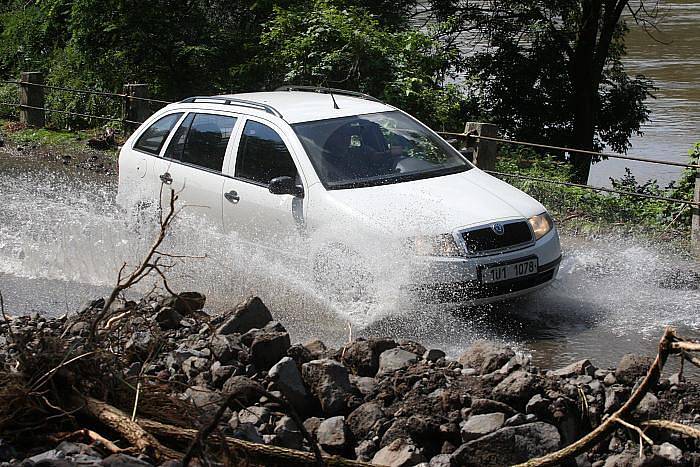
[262, 155]
[151, 141]
[206, 141]
[177, 142]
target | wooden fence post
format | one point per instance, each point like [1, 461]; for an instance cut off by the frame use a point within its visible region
[484, 150]
[31, 96]
[695, 221]
[135, 110]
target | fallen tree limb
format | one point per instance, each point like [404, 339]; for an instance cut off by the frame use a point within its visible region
[672, 426]
[609, 424]
[262, 454]
[120, 422]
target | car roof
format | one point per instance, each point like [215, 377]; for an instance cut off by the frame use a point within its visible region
[304, 106]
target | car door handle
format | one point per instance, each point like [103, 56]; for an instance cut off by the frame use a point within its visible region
[232, 197]
[166, 178]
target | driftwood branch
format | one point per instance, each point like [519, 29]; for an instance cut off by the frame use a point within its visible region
[132, 432]
[673, 426]
[262, 454]
[609, 424]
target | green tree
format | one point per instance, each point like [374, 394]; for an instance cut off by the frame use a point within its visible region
[552, 71]
[329, 44]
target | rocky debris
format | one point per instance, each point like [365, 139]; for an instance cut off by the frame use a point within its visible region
[248, 315]
[632, 367]
[329, 382]
[395, 359]
[517, 389]
[362, 356]
[377, 400]
[486, 356]
[510, 445]
[477, 426]
[331, 434]
[399, 453]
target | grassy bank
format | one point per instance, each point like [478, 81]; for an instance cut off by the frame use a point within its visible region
[584, 211]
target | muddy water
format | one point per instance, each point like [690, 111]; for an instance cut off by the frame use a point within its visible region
[671, 57]
[62, 239]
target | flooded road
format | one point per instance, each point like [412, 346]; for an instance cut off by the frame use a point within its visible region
[62, 241]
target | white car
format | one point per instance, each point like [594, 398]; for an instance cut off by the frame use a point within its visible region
[359, 177]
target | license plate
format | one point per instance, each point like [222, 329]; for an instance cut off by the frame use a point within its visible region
[506, 272]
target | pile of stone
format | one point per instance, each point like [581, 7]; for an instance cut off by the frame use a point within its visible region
[377, 400]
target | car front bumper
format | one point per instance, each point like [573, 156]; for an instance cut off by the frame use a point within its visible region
[457, 279]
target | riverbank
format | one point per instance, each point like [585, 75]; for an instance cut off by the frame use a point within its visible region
[174, 368]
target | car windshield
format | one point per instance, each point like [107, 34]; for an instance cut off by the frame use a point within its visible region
[376, 149]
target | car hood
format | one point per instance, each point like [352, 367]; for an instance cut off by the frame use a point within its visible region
[435, 205]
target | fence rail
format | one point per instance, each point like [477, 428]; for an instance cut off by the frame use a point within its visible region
[482, 137]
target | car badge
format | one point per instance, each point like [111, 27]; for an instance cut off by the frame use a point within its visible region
[498, 228]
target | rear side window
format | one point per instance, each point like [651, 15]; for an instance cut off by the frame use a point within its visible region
[207, 139]
[263, 155]
[177, 142]
[151, 141]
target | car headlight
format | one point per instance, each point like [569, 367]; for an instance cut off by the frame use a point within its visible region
[541, 224]
[440, 245]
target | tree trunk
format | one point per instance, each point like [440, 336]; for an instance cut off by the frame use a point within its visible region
[585, 80]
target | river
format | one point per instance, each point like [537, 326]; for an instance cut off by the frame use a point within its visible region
[63, 239]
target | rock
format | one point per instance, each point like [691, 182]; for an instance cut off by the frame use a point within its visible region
[395, 359]
[516, 362]
[268, 348]
[247, 391]
[140, 343]
[286, 376]
[509, 445]
[124, 460]
[287, 434]
[517, 419]
[362, 356]
[247, 315]
[411, 346]
[225, 348]
[400, 453]
[194, 365]
[538, 405]
[480, 406]
[330, 383]
[331, 433]
[433, 355]
[365, 384]
[582, 367]
[479, 425]
[167, 318]
[363, 418]
[615, 396]
[441, 460]
[7, 451]
[316, 348]
[486, 356]
[609, 379]
[647, 406]
[632, 367]
[397, 430]
[185, 302]
[625, 459]
[204, 398]
[365, 450]
[311, 424]
[300, 354]
[248, 432]
[517, 389]
[669, 452]
[254, 415]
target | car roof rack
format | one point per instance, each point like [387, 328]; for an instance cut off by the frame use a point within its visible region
[234, 101]
[324, 90]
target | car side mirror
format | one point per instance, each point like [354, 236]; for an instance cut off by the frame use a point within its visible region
[285, 186]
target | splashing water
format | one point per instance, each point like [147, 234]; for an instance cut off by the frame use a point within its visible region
[63, 239]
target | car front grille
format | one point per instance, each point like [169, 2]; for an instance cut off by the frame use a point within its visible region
[485, 239]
